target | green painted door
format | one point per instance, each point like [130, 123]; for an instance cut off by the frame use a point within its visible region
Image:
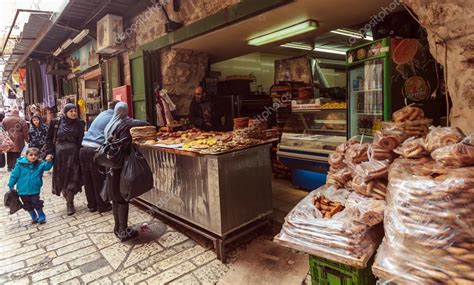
[138, 87]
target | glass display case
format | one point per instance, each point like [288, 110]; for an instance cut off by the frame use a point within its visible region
[309, 137]
[315, 130]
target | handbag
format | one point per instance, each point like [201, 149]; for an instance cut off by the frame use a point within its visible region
[3, 160]
[6, 142]
[110, 154]
[136, 177]
[12, 200]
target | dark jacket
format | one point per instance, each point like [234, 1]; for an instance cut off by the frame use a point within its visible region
[38, 135]
[113, 175]
[57, 134]
[199, 118]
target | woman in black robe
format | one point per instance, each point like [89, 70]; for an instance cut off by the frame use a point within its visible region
[119, 129]
[63, 142]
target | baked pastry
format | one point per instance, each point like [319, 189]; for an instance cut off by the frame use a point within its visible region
[442, 136]
[412, 148]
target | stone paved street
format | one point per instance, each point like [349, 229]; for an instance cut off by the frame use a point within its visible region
[82, 249]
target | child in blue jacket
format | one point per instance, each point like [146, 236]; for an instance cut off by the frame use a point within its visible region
[28, 177]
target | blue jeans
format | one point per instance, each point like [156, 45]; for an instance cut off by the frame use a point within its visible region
[31, 202]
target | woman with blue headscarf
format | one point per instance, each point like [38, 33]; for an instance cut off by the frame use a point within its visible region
[119, 129]
[64, 142]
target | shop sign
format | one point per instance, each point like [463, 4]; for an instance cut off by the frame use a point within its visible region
[74, 61]
[89, 56]
[416, 89]
[84, 58]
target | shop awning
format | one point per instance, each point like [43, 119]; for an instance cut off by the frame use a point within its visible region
[76, 16]
[36, 22]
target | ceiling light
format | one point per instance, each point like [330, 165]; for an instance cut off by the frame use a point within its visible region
[284, 33]
[66, 44]
[351, 34]
[297, 45]
[81, 36]
[57, 52]
[335, 51]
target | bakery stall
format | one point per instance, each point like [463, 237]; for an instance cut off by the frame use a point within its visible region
[213, 183]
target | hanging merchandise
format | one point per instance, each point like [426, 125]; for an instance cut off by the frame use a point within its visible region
[34, 83]
[48, 89]
[164, 107]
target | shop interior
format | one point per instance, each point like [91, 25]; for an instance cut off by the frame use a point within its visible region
[247, 86]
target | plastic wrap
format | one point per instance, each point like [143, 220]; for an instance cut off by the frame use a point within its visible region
[418, 128]
[336, 160]
[408, 113]
[372, 169]
[376, 188]
[356, 153]
[376, 153]
[442, 136]
[456, 155]
[346, 233]
[339, 178]
[387, 140]
[412, 148]
[429, 221]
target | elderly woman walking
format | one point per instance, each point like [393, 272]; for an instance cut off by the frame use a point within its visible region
[64, 142]
[119, 129]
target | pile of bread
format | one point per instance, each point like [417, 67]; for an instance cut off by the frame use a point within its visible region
[143, 134]
[429, 219]
[335, 221]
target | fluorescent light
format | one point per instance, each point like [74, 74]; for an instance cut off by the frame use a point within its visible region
[66, 44]
[284, 33]
[352, 34]
[296, 45]
[335, 51]
[57, 52]
[81, 36]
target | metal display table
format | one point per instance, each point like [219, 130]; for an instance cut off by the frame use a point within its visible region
[222, 197]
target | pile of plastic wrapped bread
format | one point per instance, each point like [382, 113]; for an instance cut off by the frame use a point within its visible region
[334, 221]
[429, 218]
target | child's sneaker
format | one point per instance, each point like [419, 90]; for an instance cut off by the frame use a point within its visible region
[34, 217]
[41, 216]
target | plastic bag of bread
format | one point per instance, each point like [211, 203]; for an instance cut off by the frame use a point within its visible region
[339, 178]
[408, 113]
[442, 136]
[428, 225]
[336, 160]
[412, 148]
[387, 140]
[356, 153]
[372, 169]
[376, 188]
[344, 146]
[365, 210]
[377, 153]
[341, 234]
[456, 155]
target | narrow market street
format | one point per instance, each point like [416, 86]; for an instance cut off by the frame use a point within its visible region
[81, 249]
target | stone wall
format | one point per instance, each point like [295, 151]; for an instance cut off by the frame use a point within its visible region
[450, 32]
[182, 71]
[150, 24]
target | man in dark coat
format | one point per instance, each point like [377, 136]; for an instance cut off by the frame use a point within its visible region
[201, 111]
[18, 132]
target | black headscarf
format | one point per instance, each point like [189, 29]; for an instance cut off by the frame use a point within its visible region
[70, 127]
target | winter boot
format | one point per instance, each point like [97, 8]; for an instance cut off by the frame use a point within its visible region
[70, 203]
[34, 217]
[125, 233]
[115, 207]
[41, 216]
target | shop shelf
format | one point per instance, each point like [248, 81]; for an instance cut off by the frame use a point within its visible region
[326, 272]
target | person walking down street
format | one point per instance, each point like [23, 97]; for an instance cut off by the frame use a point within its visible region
[28, 177]
[93, 175]
[119, 129]
[38, 133]
[64, 142]
[17, 129]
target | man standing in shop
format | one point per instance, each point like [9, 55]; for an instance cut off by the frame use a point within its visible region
[92, 174]
[201, 112]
